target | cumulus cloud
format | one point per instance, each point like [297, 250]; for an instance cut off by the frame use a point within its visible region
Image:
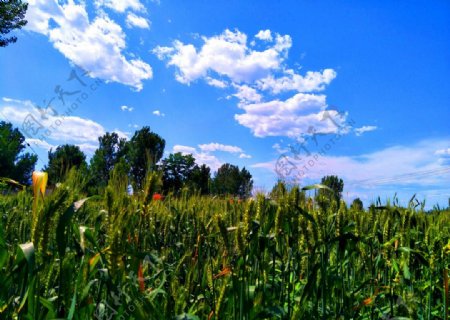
[97, 45]
[257, 76]
[292, 117]
[244, 156]
[360, 131]
[136, 21]
[227, 55]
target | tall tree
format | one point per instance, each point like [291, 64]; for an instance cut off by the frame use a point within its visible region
[245, 183]
[230, 180]
[14, 163]
[177, 170]
[357, 205]
[201, 178]
[110, 151]
[12, 16]
[324, 196]
[146, 148]
[63, 159]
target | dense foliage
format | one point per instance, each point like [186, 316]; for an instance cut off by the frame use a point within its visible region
[12, 16]
[121, 256]
[15, 163]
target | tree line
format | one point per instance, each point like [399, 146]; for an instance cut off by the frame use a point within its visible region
[136, 157]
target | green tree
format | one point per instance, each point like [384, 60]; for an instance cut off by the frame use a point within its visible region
[229, 180]
[334, 183]
[177, 170]
[357, 205]
[12, 16]
[14, 163]
[63, 159]
[245, 183]
[110, 151]
[201, 178]
[145, 149]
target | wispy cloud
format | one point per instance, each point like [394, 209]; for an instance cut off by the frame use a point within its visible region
[360, 131]
[214, 146]
[380, 172]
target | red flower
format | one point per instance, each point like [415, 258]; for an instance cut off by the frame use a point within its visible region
[157, 197]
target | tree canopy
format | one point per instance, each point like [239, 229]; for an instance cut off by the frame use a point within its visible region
[232, 181]
[146, 148]
[14, 162]
[181, 171]
[64, 158]
[12, 16]
[111, 150]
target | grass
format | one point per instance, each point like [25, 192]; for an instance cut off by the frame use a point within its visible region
[116, 256]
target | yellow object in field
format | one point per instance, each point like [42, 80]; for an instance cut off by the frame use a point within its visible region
[39, 182]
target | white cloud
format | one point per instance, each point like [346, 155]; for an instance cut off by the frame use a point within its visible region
[126, 108]
[204, 154]
[40, 144]
[402, 167]
[292, 117]
[60, 128]
[214, 146]
[443, 152]
[122, 134]
[252, 73]
[247, 94]
[360, 131]
[121, 5]
[312, 81]
[87, 148]
[265, 35]
[98, 45]
[184, 149]
[200, 157]
[216, 83]
[226, 55]
[136, 21]
[245, 156]
[162, 52]
[158, 113]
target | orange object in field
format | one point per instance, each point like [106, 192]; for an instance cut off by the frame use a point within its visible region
[157, 197]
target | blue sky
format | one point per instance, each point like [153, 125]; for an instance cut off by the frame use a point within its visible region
[291, 89]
